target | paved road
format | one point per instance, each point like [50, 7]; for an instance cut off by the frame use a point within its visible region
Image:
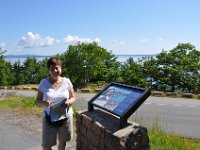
[13, 138]
[174, 115]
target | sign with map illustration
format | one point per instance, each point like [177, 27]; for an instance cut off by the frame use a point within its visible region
[120, 99]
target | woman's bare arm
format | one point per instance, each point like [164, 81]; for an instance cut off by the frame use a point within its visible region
[40, 101]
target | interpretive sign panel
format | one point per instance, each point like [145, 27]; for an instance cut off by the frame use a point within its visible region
[119, 99]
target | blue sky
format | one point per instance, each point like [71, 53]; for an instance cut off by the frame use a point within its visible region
[47, 27]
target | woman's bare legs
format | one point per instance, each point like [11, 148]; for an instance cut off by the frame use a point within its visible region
[61, 145]
[47, 148]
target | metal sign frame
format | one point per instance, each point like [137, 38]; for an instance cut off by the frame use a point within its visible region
[120, 100]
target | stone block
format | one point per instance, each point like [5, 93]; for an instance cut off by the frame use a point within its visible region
[97, 129]
[97, 89]
[86, 90]
[83, 131]
[133, 137]
[157, 93]
[94, 139]
[35, 88]
[111, 141]
[18, 88]
[187, 95]
[171, 94]
[102, 145]
[86, 121]
[26, 88]
[78, 120]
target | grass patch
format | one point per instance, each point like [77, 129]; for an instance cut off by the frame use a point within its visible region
[21, 105]
[162, 141]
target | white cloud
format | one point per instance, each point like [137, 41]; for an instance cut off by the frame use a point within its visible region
[32, 40]
[117, 43]
[97, 40]
[19, 49]
[145, 40]
[160, 39]
[74, 39]
[2, 45]
[121, 42]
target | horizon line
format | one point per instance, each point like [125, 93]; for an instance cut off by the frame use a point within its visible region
[37, 55]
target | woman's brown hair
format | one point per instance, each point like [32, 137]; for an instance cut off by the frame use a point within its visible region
[54, 61]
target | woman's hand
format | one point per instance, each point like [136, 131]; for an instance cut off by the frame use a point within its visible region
[71, 99]
[48, 103]
[40, 100]
[68, 103]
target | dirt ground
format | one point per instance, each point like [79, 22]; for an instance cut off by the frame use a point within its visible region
[30, 123]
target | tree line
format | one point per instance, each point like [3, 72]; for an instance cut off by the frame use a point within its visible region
[177, 69]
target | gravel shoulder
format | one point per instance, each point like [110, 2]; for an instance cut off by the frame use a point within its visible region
[30, 124]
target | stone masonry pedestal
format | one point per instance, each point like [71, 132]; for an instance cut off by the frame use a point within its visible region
[99, 130]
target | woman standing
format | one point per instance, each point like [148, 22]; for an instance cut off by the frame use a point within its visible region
[56, 93]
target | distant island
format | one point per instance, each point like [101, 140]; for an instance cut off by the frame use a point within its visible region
[26, 56]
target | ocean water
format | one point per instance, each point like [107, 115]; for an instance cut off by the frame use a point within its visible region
[120, 58]
[124, 58]
[14, 59]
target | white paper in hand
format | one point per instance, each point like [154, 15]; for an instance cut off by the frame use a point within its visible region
[57, 111]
